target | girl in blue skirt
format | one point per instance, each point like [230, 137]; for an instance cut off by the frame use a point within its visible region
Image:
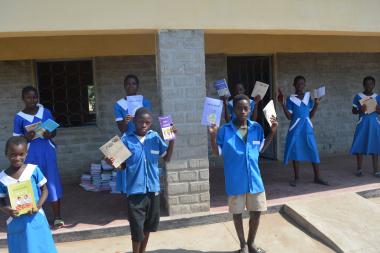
[367, 134]
[300, 142]
[40, 151]
[27, 233]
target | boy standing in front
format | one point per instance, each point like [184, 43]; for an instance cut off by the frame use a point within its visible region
[240, 142]
[142, 182]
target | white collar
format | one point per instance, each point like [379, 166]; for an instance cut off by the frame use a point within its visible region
[30, 118]
[306, 98]
[26, 175]
[362, 95]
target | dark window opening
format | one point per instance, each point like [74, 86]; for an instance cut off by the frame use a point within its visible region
[67, 89]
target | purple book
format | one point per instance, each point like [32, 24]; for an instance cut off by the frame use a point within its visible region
[166, 123]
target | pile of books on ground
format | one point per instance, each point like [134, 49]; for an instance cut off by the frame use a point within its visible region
[101, 178]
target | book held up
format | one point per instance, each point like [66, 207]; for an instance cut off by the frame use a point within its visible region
[221, 87]
[166, 123]
[116, 149]
[319, 92]
[269, 111]
[370, 104]
[21, 196]
[134, 103]
[260, 89]
[212, 111]
[40, 127]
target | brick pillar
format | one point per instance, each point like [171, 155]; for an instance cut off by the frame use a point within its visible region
[181, 85]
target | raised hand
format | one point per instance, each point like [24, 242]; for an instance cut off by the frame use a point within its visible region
[280, 97]
[363, 108]
[257, 99]
[128, 118]
[212, 129]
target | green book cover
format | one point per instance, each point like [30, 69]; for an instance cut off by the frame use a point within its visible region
[21, 196]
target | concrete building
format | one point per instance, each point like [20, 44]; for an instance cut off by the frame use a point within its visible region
[71, 49]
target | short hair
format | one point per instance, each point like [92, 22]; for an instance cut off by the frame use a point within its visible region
[240, 97]
[15, 140]
[133, 77]
[368, 78]
[297, 78]
[27, 89]
[141, 111]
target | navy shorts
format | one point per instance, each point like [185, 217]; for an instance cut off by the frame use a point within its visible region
[143, 214]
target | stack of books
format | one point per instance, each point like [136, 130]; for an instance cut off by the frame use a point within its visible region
[85, 182]
[113, 183]
[95, 171]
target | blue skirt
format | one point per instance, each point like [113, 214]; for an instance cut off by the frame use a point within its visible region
[30, 234]
[367, 136]
[41, 152]
[300, 142]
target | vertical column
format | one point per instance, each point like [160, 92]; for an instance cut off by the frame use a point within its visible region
[180, 66]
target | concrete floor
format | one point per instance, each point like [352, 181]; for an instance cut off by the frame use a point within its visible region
[275, 234]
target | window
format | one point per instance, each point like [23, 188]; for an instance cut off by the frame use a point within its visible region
[67, 89]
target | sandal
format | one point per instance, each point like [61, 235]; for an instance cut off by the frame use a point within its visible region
[243, 250]
[376, 174]
[293, 183]
[257, 250]
[321, 181]
[359, 173]
[58, 223]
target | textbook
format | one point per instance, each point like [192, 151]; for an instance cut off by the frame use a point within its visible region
[116, 149]
[212, 111]
[21, 196]
[269, 111]
[39, 128]
[370, 103]
[134, 103]
[222, 88]
[166, 123]
[319, 92]
[260, 89]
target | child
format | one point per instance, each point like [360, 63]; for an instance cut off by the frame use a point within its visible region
[41, 151]
[123, 118]
[143, 183]
[240, 142]
[228, 105]
[300, 141]
[28, 233]
[367, 134]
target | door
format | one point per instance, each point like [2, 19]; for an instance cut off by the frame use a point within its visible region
[247, 70]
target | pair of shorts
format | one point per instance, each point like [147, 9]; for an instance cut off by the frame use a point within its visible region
[143, 214]
[254, 202]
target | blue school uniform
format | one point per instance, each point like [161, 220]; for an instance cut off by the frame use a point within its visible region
[28, 233]
[230, 108]
[121, 111]
[142, 173]
[41, 151]
[367, 134]
[300, 141]
[241, 167]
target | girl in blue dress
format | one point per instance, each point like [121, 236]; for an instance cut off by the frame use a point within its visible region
[229, 114]
[41, 151]
[367, 134]
[28, 233]
[124, 120]
[300, 142]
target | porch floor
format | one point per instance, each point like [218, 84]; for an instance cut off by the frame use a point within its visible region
[85, 211]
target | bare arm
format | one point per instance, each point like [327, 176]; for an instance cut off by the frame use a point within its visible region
[315, 107]
[286, 112]
[212, 130]
[269, 138]
[227, 116]
[44, 194]
[255, 109]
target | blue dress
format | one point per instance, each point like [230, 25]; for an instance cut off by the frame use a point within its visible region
[41, 151]
[230, 108]
[300, 142]
[28, 233]
[367, 134]
[121, 111]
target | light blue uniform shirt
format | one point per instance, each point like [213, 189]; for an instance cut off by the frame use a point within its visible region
[121, 111]
[142, 173]
[241, 168]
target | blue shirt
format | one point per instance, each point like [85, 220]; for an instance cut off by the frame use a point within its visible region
[142, 173]
[121, 111]
[230, 108]
[241, 168]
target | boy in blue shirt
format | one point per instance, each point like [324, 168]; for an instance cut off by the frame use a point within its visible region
[240, 141]
[142, 182]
